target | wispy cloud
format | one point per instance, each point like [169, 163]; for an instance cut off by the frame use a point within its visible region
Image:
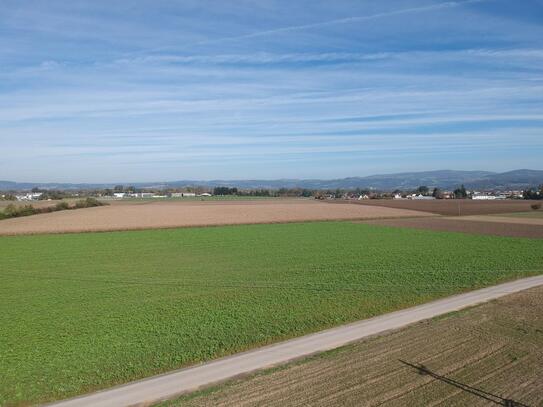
[397, 84]
[346, 20]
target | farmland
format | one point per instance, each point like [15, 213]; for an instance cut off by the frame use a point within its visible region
[137, 214]
[91, 310]
[531, 215]
[478, 225]
[496, 348]
[452, 207]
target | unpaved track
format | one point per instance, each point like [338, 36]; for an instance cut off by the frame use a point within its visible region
[166, 386]
[474, 224]
[504, 219]
[495, 347]
[170, 214]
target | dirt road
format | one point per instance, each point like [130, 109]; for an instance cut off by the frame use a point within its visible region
[171, 384]
[469, 224]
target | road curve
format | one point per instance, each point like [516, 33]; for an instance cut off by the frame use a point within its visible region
[157, 388]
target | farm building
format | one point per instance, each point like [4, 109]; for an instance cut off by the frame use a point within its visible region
[420, 197]
[182, 194]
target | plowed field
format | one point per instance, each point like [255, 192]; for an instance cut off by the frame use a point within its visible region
[479, 357]
[451, 207]
[169, 214]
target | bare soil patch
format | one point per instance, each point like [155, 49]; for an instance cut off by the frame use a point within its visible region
[505, 219]
[532, 214]
[495, 348]
[466, 225]
[169, 214]
[450, 207]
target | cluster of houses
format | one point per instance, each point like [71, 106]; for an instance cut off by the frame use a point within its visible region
[31, 196]
[122, 195]
[476, 195]
[414, 196]
[492, 196]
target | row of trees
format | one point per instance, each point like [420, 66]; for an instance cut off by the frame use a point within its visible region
[533, 193]
[437, 193]
[225, 191]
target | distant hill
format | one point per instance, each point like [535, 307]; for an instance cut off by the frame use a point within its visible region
[445, 179]
[516, 179]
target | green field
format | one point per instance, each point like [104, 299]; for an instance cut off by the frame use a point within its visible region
[85, 311]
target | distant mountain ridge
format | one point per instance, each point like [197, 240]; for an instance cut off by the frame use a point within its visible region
[445, 179]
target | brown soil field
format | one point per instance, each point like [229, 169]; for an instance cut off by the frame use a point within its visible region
[450, 207]
[494, 350]
[169, 214]
[468, 225]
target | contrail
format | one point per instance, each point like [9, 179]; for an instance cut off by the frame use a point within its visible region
[449, 4]
[444, 5]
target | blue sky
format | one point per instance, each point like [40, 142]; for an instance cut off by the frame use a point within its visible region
[102, 91]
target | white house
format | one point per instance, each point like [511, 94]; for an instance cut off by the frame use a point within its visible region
[421, 197]
[29, 197]
[487, 197]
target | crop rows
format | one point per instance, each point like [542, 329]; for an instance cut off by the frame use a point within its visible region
[85, 311]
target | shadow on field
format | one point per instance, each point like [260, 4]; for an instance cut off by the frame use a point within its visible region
[423, 370]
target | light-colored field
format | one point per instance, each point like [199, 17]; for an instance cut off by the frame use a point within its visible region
[147, 215]
[532, 214]
[505, 219]
[477, 224]
[478, 357]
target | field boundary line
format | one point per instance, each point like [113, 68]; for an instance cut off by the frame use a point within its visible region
[169, 385]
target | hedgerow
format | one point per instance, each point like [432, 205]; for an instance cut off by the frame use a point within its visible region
[14, 211]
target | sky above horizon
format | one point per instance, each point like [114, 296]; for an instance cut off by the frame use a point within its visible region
[153, 90]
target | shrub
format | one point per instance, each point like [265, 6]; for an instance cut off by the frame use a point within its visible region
[88, 203]
[13, 211]
[536, 206]
[93, 202]
[10, 211]
[26, 210]
[62, 206]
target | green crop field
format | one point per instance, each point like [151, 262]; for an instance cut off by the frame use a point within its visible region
[85, 311]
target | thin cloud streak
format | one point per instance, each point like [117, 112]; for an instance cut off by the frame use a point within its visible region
[346, 20]
[460, 78]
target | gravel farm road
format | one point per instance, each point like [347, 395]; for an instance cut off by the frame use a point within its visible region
[157, 388]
